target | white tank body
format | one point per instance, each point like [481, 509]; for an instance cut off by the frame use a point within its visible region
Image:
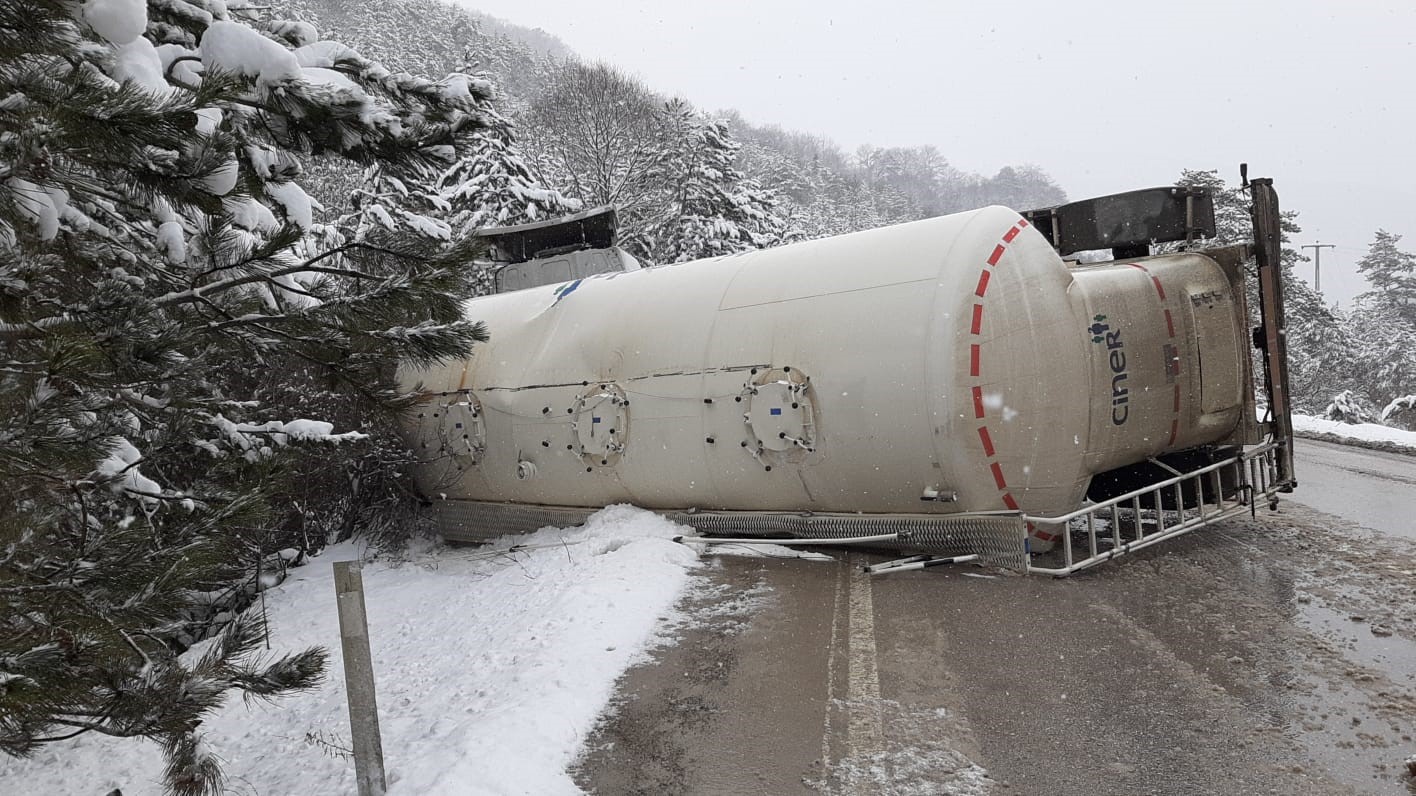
[881, 372]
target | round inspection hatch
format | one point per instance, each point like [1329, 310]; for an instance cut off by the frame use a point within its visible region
[780, 412]
[601, 423]
[463, 431]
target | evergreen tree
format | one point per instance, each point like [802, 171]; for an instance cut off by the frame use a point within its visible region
[1384, 325]
[1321, 351]
[1349, 407]
[1385, 348]
[492, 186]
[1391, 273]
[711, 208]
[150, 208]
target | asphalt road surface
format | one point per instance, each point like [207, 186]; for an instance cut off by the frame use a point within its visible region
[1274, 655]
[1371, 488]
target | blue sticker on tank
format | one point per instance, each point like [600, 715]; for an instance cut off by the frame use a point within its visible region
[566, 290]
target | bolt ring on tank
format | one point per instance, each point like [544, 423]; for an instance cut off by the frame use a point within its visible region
[461, 430]
[780, 416]
[600, 424]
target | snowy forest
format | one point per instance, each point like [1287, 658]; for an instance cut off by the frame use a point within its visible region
[223, 223]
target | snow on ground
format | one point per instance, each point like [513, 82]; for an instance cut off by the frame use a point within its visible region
[492, 668]
[1364, 432]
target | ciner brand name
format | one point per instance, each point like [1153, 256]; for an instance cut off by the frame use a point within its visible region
[1103, 334]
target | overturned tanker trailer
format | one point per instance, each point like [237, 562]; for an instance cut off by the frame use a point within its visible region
[949, 386]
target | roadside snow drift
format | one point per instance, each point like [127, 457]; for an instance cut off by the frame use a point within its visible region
[491, 668]
[1361, 432]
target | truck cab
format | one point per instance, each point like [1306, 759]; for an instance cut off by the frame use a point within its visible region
[556, 250]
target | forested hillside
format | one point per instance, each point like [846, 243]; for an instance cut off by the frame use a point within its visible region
[688, 182]
[697, 182]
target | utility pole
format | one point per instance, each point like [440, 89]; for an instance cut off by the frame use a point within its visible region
[1317, 263]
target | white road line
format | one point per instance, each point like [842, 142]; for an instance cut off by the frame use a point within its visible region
[826, 759]
[863, 677]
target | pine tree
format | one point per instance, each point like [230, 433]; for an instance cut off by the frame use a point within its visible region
[492, 186]
[150, 279]
[711, 208]
[1391, 273]
[1384, 325]
[1321, 350]
[1385, 348]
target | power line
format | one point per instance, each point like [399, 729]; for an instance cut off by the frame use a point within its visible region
[1317, 263]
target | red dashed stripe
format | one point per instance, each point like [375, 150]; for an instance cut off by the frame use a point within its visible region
[1174, 430]
[975, 355]
[1169, 323]
[986, 440]
[1177, 399]
[1155, 281]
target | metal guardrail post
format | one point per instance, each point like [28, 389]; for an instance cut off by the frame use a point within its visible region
[359, 679]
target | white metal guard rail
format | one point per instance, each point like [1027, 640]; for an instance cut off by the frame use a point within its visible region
[1248, 477]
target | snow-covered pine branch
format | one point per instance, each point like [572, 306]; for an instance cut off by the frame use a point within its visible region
[168, 302]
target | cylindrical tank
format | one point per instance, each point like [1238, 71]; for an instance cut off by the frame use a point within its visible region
[947, 365]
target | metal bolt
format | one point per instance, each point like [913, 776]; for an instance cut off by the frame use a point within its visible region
[710, 440]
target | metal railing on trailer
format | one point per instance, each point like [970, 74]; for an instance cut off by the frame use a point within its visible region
[1163, 510]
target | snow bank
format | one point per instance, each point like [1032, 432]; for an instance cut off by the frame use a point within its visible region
[1362, 432]
[492, 668]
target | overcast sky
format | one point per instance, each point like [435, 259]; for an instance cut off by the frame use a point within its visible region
[1106, 96]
